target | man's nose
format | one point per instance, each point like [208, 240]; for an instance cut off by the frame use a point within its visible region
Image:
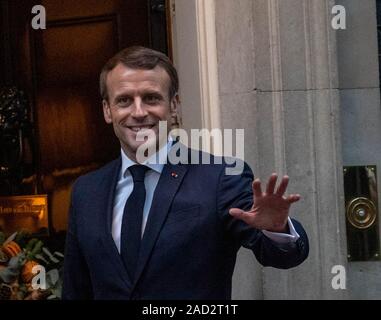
[139, 110]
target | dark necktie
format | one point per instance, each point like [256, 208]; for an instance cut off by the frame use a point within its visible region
[132, 220]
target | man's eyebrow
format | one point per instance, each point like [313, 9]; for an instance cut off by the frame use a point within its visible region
[142, 93]
[152, 92]
[122, 95]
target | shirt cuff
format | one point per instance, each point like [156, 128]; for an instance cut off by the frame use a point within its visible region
[283, 237]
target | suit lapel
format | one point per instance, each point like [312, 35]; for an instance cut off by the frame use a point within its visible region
[170, 180]
[108, 188]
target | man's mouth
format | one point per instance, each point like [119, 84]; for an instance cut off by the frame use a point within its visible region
[141, 127]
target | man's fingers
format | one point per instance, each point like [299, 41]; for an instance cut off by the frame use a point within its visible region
[240, 214]
[293, 198]
[271, 183]
[257, 190]
[282, 186]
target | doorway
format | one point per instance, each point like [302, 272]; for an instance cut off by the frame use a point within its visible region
[58, 69]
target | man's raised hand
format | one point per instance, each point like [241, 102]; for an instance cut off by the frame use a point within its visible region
[270, 209]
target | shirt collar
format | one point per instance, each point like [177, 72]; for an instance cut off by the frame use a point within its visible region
[154, 165]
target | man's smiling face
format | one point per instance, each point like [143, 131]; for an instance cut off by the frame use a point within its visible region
[137, 100]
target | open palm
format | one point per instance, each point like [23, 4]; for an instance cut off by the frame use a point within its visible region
[270, 209]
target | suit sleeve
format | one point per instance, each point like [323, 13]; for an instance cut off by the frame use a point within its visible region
[235, 191]
[76, 278]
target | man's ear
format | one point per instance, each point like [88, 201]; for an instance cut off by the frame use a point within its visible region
[175, 102]
[106, 111]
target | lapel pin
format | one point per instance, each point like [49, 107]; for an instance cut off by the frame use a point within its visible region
[174, 175]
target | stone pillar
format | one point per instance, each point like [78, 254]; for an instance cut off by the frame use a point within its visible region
[235, 57]
[277, 65]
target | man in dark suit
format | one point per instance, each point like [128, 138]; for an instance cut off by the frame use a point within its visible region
[167, 231]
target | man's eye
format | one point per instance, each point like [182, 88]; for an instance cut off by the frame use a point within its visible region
[123, 101]
[152, 99]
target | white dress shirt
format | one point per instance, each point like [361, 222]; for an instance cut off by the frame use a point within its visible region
[125, 186]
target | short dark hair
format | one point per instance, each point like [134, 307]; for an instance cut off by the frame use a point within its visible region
[137, 57]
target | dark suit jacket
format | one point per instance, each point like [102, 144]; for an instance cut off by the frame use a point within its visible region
[189, 245]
